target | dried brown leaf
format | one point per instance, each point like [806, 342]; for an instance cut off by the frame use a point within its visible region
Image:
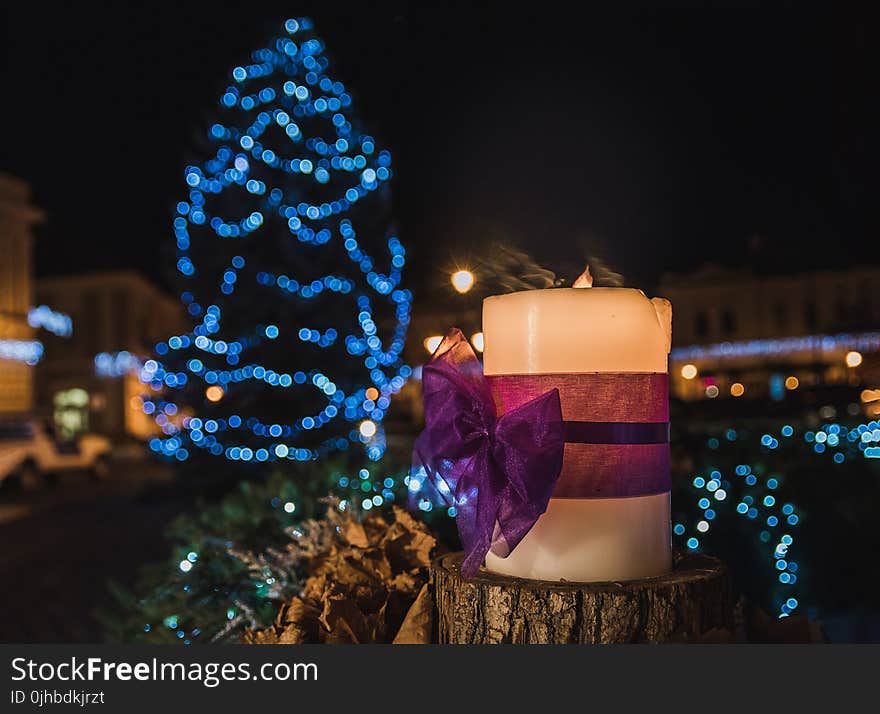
[362, 584]
[355, 534]
[408, 542]
[295, 635]
[408, 582]
[295, 611]
[345, 622]
[795, 629]
[261, 637]
[416, 628]
[375, 527]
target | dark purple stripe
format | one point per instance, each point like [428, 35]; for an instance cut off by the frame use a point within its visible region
[616, 432]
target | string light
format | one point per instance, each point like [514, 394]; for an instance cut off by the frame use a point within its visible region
[462, 280]
[752, 498]
[432, 343]
[287, 143]
[864, 342]
[853, 359]
[31, 351]
[754, 495]
[50, 320]
[28, 351]
[116, 364]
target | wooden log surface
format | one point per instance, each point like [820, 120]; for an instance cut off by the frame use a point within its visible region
[684, 605]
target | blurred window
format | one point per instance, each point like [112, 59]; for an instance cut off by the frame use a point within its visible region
[701, 325]
[811, 317]
[842, 311]
[864, 306]
[728, 322]
[71, 413]
[121, 318]
[780, 315]
[91, 322]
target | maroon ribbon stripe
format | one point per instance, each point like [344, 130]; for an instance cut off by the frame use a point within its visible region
[616, 429]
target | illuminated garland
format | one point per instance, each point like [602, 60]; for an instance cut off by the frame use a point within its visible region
[116, 364]
[31, 351]
[287, 92]
[50, 320]
[28, 351]
[864, 342]
[753, 496]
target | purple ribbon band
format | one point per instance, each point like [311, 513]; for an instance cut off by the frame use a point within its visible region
[616, 429]
[498, 448]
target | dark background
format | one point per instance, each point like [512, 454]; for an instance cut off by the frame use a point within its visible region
[656, 139]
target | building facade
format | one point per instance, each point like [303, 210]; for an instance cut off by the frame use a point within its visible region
[740, 335]
[117, 318]
[17, 218]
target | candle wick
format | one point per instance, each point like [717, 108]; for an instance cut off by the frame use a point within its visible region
[585, 280]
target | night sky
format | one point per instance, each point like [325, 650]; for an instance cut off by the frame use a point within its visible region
[657, 139]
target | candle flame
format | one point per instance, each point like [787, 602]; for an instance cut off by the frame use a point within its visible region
[585, 280]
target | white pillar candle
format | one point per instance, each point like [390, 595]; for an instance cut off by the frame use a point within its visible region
[575, 331]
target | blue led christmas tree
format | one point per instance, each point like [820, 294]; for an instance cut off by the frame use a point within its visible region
[289, 273]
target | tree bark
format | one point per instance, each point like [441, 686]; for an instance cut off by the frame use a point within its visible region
[691, 603]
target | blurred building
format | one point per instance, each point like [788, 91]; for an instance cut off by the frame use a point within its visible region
[86, 381]
[740, 335]
[17, 217]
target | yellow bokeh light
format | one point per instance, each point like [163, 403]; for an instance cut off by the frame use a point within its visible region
[689, 371]
[853, 359]
[870, 395]
[737, 389]
[367, 429]
[792, 383]
[372, 393]
[214, 393]
[432, 343]
[463, 280]
[477, 341]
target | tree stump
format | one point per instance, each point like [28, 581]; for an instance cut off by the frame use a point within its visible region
[685, 605]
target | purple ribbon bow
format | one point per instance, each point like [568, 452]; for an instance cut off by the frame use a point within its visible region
[498, 472]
